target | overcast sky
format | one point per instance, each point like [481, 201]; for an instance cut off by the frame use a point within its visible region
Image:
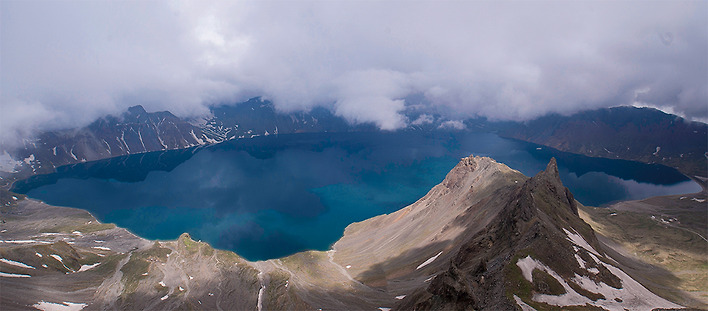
[65, 63]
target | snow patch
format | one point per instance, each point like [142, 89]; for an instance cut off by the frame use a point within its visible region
[527, 265]
[29, 159]
[657, 151]
[161, 142]
[165, 297]
[102, 248]
[400, 297]
[58, 258]
[16, 263]
[578, 240]
[122, 138]
[12, 275]
[523, 305]
[384, 309]
[24, 242]
[699, 200]
[631, 296]
[65, 306]
[38, 254]
[261, 291]
[140, 135]
[427, 262]
[88, 267]
[71, 152]
[107, 146]
[197, 139]
[581, 262]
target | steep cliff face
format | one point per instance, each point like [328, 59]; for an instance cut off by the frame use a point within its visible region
[486, 238]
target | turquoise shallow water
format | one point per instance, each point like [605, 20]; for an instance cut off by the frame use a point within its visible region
[268, 197]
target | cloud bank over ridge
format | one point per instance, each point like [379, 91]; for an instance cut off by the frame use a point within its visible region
[66, 63]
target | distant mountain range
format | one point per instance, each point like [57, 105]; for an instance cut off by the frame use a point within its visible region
[138, 131]
[638, 134]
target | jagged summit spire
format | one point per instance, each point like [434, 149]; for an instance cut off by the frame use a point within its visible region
[552, 167]
[550, 174]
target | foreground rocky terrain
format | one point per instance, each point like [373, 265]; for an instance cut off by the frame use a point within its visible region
[669, 232]
[486, 238]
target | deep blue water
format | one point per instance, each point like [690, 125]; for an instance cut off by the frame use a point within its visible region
[272, 196]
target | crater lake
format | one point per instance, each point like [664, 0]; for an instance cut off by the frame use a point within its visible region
[272, 196]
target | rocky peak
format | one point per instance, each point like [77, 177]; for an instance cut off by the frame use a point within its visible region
[137, 110]
[550, 174]
[472, 171]
[535, 219]
[135, 114]
[549, 179]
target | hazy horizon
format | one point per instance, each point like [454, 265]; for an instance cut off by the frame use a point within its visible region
[66, 63]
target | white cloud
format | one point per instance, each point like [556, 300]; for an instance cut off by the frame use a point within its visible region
[452, 125]
[75, 61]
[423, 119]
